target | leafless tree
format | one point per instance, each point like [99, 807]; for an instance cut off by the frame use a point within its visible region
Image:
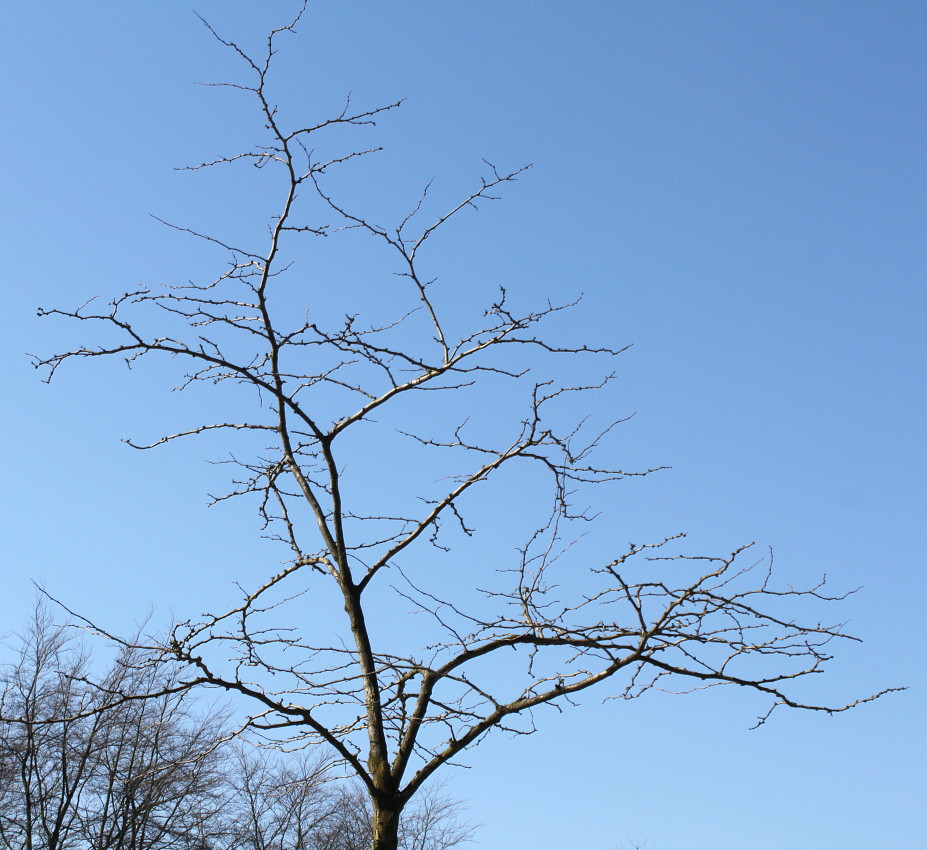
[80, 774]
[635, 844]
[158, 780]
[45, 766]
[280, 804]
[502, 635]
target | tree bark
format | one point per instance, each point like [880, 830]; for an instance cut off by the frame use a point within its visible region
[385, 826]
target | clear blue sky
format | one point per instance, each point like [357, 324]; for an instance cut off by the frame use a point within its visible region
[740, 191]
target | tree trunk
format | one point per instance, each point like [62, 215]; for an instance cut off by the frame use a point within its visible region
[385, 827]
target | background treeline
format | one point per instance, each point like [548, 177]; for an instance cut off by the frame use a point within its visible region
[162, 773]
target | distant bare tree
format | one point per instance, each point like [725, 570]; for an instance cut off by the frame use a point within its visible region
[514, 633]
[45, 766]
[635, 844]
[80, 774]
[434, 821]
[158, 780]
[280, 804]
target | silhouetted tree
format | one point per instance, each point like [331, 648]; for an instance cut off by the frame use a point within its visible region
[77, 773]
[332, 405]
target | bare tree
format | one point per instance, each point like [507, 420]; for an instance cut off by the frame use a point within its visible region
[287, 805]
[77, 773]
[517, 632]
[159, 781]
[45, 766]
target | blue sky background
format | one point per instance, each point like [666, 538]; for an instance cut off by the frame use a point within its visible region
[739, 189]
